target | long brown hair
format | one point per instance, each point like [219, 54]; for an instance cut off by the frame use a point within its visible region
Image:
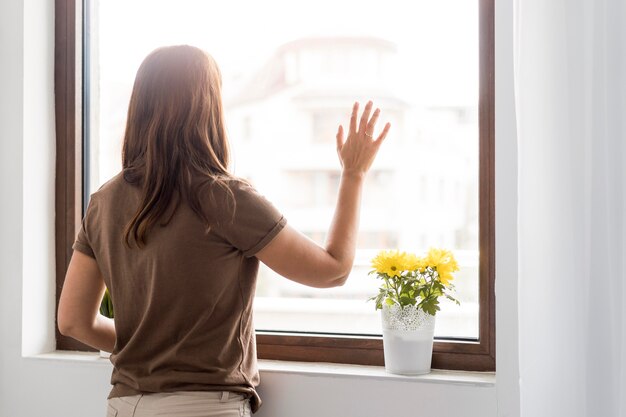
[174, 133]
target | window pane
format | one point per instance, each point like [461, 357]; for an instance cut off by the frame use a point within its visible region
[291, 73]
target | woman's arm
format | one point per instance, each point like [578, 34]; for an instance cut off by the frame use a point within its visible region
[79, 306]
[295, 256]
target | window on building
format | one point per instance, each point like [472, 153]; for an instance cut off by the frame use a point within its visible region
[427, 65]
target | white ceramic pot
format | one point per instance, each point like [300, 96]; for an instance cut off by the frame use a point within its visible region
[407, 339]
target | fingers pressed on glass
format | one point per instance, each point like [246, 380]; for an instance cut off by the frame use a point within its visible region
[383, 134]
[365, 116]
[339, 137]
[355, 111]
[372, 123]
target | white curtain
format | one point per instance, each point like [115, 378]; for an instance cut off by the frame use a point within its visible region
[570, 81]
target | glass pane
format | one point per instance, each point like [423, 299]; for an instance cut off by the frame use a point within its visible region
[291, 73]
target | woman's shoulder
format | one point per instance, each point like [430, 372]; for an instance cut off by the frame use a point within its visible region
[221, 186]
[231, 194]
[113, 187]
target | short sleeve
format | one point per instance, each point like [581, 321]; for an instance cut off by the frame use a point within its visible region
[82, 242]
[251, 221]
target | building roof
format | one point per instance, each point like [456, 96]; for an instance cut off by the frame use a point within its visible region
[277, 73]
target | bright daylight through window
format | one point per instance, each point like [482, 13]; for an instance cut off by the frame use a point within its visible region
[291, 72]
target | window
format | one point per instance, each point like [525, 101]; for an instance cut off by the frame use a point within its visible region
[285, 92]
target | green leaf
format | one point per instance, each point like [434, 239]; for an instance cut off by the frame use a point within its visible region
[405, 300]
[449, 297]
[106, 305]
[430, 306]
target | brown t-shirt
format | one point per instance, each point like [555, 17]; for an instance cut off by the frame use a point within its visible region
[183, 302]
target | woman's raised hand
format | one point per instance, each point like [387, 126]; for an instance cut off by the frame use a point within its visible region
[358, 151]
[295, 256]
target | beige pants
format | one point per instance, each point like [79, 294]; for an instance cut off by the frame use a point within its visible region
[180, 404]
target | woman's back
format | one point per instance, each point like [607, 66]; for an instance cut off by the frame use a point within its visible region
[183, 301]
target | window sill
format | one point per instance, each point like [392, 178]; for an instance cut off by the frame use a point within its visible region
[475, 379]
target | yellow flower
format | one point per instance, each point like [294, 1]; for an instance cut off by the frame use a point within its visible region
[390, 262]
[414, 263]
[442, 260]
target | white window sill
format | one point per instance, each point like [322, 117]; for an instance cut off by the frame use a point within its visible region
[486, 379]
[475, 379]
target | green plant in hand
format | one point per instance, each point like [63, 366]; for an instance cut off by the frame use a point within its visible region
[409, 280]
[106, 306]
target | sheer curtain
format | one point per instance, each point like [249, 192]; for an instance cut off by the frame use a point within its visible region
[570, 81]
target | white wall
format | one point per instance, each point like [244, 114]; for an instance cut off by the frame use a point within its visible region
[11, 133]
[11, 129]
[507, 363]
[35, 387]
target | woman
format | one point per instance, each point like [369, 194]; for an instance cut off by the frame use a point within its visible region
[177, 240]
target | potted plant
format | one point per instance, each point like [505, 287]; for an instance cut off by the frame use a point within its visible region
[106, 309]
[409, 300]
